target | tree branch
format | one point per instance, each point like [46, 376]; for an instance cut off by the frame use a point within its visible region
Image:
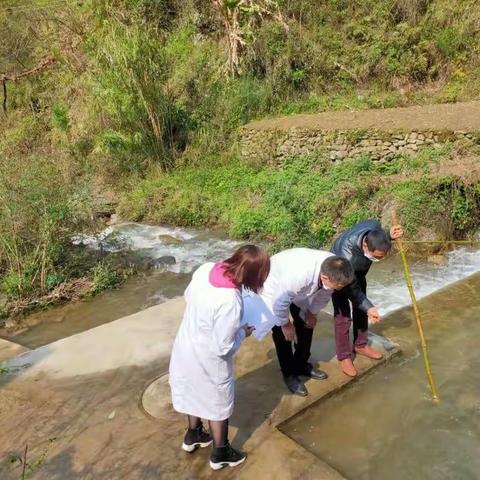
[12, 77]
[4, 82]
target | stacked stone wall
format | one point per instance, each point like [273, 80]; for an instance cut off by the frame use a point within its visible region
[273, 146]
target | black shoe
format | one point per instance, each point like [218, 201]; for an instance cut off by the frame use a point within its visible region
[295, 385]
[196, 438]
[226, 457]
[318, 374]
[314, 373]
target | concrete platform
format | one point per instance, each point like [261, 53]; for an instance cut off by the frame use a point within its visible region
[96, 405]
[10, 350]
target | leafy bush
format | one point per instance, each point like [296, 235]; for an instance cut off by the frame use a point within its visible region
[39, 212]
[104, 278]
[307, 200]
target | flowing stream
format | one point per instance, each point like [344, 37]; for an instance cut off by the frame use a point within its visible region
[175, 253]
[383, 426]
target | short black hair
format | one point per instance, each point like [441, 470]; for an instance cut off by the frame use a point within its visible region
[378, 239]
[338, 270]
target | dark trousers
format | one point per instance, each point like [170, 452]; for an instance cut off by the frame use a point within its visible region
[343, 318]
[294, 362]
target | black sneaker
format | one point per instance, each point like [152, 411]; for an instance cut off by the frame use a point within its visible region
[196, 438]
[295, 385]
[226, 457]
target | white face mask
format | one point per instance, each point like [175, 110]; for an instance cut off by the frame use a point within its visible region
[371, 257]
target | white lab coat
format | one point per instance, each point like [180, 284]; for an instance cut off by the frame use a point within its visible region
[201, 365]
[293, 278]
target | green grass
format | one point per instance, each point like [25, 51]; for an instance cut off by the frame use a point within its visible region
[105, 277]
[143, 87]
[306, 200]
[4, 369]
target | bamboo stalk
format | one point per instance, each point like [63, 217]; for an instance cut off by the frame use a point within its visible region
[24, 461]
[416, 312]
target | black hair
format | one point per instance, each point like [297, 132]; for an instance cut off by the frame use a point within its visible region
[338, 270]
[378, 239]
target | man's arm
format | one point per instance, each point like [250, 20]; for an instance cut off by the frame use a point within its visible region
[281, 311]
[357, 297]
[361, 301]
[281, 307]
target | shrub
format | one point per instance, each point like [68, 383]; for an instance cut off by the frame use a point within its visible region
[40, 209]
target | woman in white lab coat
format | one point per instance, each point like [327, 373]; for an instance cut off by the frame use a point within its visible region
[201, 365]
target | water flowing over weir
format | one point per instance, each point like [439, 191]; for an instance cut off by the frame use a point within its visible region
[190, 248]
[388, 290]
[386, 287]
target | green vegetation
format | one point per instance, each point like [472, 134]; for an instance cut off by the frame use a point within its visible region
[30, 466]
[4, 369]
[138, 101]
[306, 200]
[106, 276]
[38, 212]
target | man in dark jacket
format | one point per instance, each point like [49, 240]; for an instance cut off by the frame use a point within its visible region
[364, 243]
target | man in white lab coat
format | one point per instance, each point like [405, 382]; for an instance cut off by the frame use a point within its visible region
[301, 282]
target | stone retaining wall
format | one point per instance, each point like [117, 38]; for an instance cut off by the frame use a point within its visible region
[273, 146]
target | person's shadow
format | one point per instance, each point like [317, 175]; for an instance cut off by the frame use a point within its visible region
[257, 394]
[260, 391]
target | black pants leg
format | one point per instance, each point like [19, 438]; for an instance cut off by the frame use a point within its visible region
[284, 352]
[304, 342]
[293, 363]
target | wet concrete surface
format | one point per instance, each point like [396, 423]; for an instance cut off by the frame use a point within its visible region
[386, 425]
[10, 350]
[77, 403]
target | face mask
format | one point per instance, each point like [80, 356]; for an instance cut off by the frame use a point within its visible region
[371, 258]
[321, 285]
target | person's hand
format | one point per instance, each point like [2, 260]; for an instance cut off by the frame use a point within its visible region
[248, 330]
[289, 332]
[396, 232]
[310, 320]
[373, 315]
